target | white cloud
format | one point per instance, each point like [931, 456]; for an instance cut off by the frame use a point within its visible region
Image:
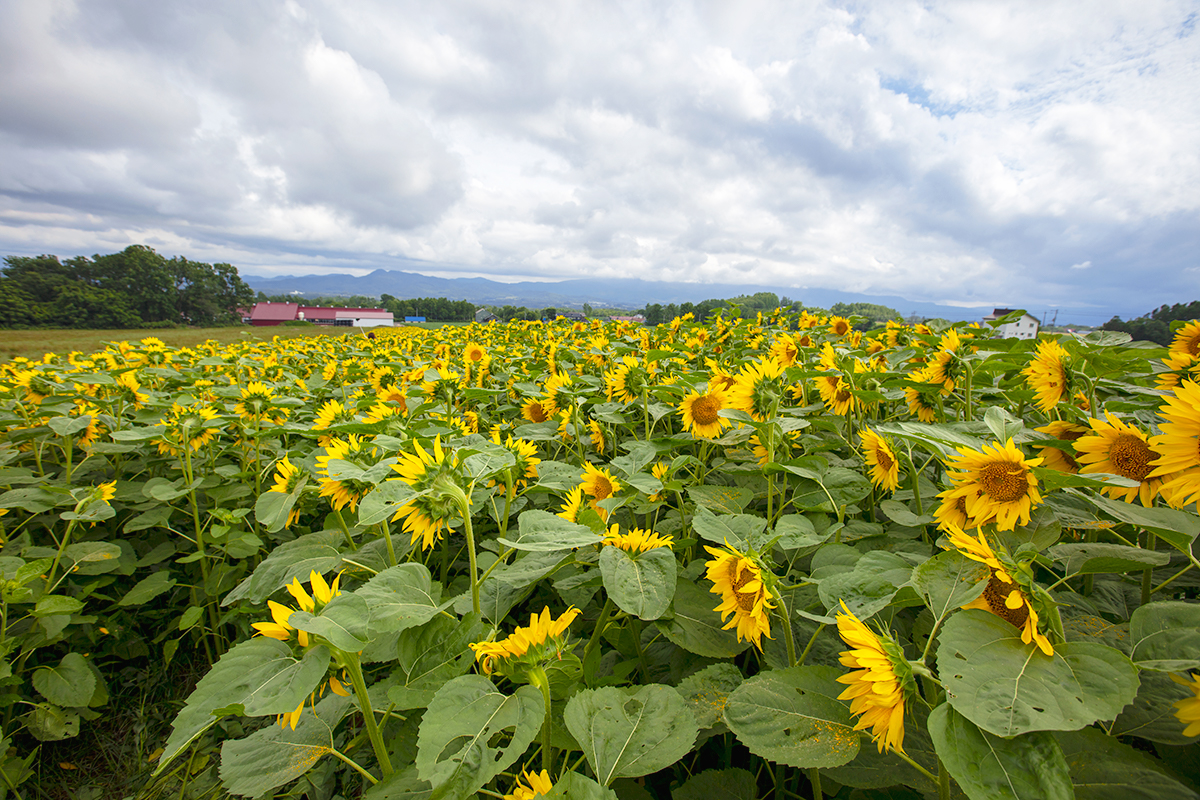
[959, 152]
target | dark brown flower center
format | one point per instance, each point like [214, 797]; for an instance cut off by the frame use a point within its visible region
[1130, 457]
[601, 487]
[996, 594]
[537, 412]
[883, 458]
[705, 408]
[1004, 481]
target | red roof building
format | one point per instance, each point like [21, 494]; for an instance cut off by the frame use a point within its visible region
[264, 314]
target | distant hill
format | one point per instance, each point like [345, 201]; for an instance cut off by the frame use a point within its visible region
[628, 293]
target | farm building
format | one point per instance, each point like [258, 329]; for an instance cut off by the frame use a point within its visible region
[1024, 328]
[265, 314]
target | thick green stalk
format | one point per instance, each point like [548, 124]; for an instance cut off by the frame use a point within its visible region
[57, 556]
[814, 778]
[464, 507]
[1148, 574]
[538, 678]
[788, 638]
[354, 669]
[598, 631]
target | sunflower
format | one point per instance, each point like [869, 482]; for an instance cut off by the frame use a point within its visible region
[287, 477]
[573, 505]
[444, 386]
[759, 389]
[258, 405]
[555, 389]
[627, 381]
[127, 382]
[1054, 457]
[535, 785]
[524, 455]
[945, 366]
[322, 593]
[542, 639]
[876, 689]
[599, 484]
[344, 491]
[1187, 710]
[596, 433]
[1187, 339]
[637, 540]
[1004, 596]
[185, 427]
[1178, 446]
[426, 516]
[1048, 374]
[1117, 448]
[700, 412]
[839, 326]
[885, 467]
[785, 349]
[534, 410]
[996, 484]
[660, 471]
[739, 581]
[331, 413]
[474, 354]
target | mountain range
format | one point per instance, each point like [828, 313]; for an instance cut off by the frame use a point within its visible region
[624, 293]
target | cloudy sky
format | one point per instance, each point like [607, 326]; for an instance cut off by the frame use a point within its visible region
[978, 153]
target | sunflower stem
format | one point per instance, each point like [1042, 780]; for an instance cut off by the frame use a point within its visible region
[464, 507]
[538, 678]
[811, 641]
[907, 759]
[598, 631]
[967, 415]
[788, 638]
[354, 765]
[646, 411]
[354, 669]
[635, 628]
[1148, 574]
[814, 778]
[386, 530]
[337, 512]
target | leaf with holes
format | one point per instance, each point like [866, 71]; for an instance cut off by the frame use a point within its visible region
[471, 732]
[1008, 688]
[627, 734]
[791, 716]
[641, 584]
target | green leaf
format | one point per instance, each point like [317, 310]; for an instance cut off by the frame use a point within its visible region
[545, 532]
[796, 531]
[727, 784]
[1003, 425]
[156, 517]
[429, 656]
[148, 588]
[1166, 636]
[404, 785]
[987, 767]
[696, 627]
[273, 756]
[69, 684]
[736, 530]
[343, 623]
[261, 676]
[574, 786]
[792, 717]
[708, 690]
[1177, 528]
[1103, 768]
[385, 501]
[900, 514]
[51, 724]
[641, 584]
[1008, 688]
[1152, 713]
[471, 732]
[721, 499]
[949, 580]
[869, 586]
[295, 559]
[272, 508]
[56, 604]
[401, 597]
[1095, 557]
[627, 734]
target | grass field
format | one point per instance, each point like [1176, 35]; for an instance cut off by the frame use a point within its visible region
[35, 343]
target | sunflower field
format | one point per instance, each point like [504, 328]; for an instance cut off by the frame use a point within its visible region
[755, 557]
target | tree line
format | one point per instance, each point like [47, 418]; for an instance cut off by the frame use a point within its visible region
[134, 288]
[1155, 326]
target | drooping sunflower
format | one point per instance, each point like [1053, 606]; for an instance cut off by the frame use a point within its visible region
[543, 638]
[1117, 448]
[189, 427]
[573, 505]
[700, 412]
[628, 379]
[556, 391]
[427, 516]
[1178, 446]
[785, 349]
[1187, 339]
[258, 405]
[331, 413]
[345, 491]
[1004, 596]
[945, 366]
[287, 478]
[599, 484]
[1056, 458]
[596, 434]
[637, 540]
[885, 467]
[525, 458]
[922, 398]
[1179, 367]
[759, 389]
[1048, 374]
[876, 689]
[739, 580]
[531, 785]
[1187, 710]
[997, 485]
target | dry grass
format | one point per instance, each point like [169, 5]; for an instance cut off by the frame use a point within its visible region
[36, 343]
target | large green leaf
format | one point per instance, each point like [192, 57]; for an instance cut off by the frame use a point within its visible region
[627, 734]
[728, 784]
[471, 732]
[295, 559]
[70, 684]
[1166, 636]
[1008, 688]
[1152, 714]
[385, 500]
[574, 786]
[1095, 557]
[796, 531]
[722, 499]
[1026, 767]
[1103, 768]
[737, 530]
[1177, 528]
[429, 656]
[949, 580]
[545, 532]
[640, 584]
[343, 623]
[274, 755]
[261, 676]
[148, 588]
[792, 717]
[869, 586]
[696, 627]
[401, 597]
[708, 690]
